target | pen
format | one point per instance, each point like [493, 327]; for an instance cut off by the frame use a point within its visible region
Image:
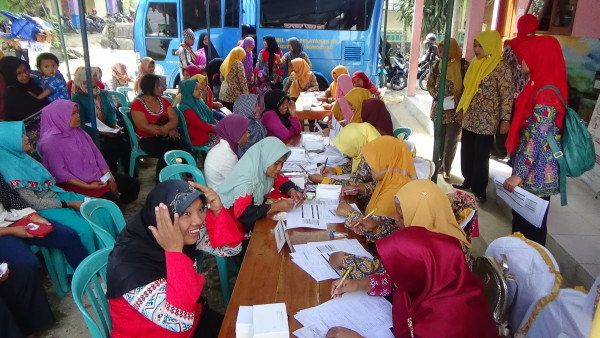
[325, 166]
[342, 281]
[301, 167]
[355, 189]
[370, 214]
[342, 121]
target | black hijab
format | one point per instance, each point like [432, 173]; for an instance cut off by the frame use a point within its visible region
[137, 259]
[18, 103]
[213, 51]
[273, 100]
[214, 68]
[272, 48]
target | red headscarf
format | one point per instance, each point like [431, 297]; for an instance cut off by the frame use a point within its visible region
[526, 28]
[375, 113]
[367, 84]
[544, 58]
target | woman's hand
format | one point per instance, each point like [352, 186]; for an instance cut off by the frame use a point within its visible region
[343, 209]
[4, 276]
[97, 185]
[174, 134]
[284, 205]
[353, 190]
[212, 198]
[297, 196]
[316, 178]
[504, 127]
[166, 232]
[326, 131]
[342, 332]
[359, 225]
[328, 171]
[75, 205]
[336, 260]
[350, 285]
[112, 183]
[512, 182]
[217, 104]
[21, 232]
[39, 219]
[292, 107]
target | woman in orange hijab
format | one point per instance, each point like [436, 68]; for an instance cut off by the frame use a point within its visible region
[301, 79]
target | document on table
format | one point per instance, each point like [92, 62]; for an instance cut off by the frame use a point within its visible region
[369, 316]
[328, 191]
[526, 204]
[314, 214]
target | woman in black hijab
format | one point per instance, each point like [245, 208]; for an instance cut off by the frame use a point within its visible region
[19, 100]
[201, 44]
[279, 117]
[269, 59]
[149, 255]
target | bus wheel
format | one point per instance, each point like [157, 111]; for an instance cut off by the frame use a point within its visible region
[322, 83]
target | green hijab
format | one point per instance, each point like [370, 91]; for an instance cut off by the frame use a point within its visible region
[249, 176]
[188, 101]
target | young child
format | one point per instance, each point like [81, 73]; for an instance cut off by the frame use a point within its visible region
[261, 87]
[50, 79]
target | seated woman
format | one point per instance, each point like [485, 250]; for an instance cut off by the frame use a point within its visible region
[247, 106]
[361, 80]
[119, 77]
[349, 108]
[199, 118]
[280, 116]
[37, 187]
[156, 122]
[244, 190]
[390, 163]
[152, 285]
[426, 272]
[331, 92]
[207, 96]
[115, 147]
[375, 113]
[233, 78]
[146, 66]
[213, 73]
[19, 99]
[350, 141]
[302, 79]
[232, 131]
[74, 160]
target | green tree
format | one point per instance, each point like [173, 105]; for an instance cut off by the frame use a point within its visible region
[434, 14]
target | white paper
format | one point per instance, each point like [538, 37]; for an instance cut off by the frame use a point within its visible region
[279, 233]
[224, 110]
[270, 320]
[449, 102]
[103, 128]
[328, 191]
[315, 146]
[314, 214]
[3, 269]
[105, 177]
[526, 204]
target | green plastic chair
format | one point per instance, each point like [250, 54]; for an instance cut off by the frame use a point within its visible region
[171, 157]
[175, 172]
[222, 265]
[57, 268]
[106, 219]
[120, 96]
[169, 98]
[125, 91]
[182, 126]
[86, 280]
[136, 151]
[405, 131]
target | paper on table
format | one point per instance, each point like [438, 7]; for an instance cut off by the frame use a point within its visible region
[449, 102]
[340, 177]
[314, 214]
[103, 128]
[526, 204]
[279, 232]
[315, 146]
[328, 191]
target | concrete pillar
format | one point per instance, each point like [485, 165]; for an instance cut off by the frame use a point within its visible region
[415, 43]
[475, 14]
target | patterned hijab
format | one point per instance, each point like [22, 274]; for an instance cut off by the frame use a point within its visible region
[236, 54]
[351, 139]
[188, 35]
[188, 101]
[244, 105]
[302, 74]
[391, 157]
[118, 73]
[296, 50]
[249, 177]
[80, 81]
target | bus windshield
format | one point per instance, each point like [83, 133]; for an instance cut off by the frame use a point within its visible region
[351, 15]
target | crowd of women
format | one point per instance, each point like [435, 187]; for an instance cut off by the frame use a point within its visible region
[421, 235]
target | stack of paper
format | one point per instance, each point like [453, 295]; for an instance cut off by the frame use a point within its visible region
[314, 214]
[315, 146]
[367, 315]
[328, 191]
[267, 320]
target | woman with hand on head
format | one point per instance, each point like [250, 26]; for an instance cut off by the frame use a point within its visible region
[247, 106]
[233, 78]
[244, 190]
[119, 76]
[280, 116]
[152, 286]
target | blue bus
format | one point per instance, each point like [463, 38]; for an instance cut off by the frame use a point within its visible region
[332, 32]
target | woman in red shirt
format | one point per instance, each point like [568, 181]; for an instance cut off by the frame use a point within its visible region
[156, 122]
[199, 118]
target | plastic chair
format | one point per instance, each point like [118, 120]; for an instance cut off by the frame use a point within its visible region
[136, 151]
[125, 91]
[57, 268]
[406, 131]
[120, 96]
[169, 98]
[168, 94]
[175, 172]
[171, 157]
[86, 280]
[223, 274]
[106, 228]
[198, 150]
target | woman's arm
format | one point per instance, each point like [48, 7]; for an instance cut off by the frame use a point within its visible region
[312, 85]
[141, 122]
[173, 121]
[432, 81]
[288, 83]
[39, 203]
[275, 127]
[195, 123]
[247, 213]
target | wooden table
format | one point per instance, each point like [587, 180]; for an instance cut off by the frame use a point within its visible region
[270, 277]
[313, 113]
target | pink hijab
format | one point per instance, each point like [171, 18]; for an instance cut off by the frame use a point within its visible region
[344, 87]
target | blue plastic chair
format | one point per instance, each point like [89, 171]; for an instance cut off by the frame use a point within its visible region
[171, 157]
[223, 273]
[120, 96]
[125, 91]
[136, 151]
[57, 268]
[85, 280]
[106, 219]
[406, 131]
[182, 126]
[175, 172]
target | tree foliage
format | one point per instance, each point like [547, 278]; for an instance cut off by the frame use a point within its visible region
[434, 14]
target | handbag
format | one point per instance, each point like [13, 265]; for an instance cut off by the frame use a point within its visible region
[34, 228]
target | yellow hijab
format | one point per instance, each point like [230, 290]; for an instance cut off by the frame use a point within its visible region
[356, 97]
[454, 72]
[338, 70]
[200, 78]
[302, 75]
[236, 54]
[424, 204]
[352, 138]
[480, 68]
[391, 157]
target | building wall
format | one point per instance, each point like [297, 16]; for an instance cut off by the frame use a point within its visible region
[586, 23]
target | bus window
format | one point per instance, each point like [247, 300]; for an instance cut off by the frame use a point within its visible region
[316, 14]
[161, 20]
[232, 13]
[194, 14]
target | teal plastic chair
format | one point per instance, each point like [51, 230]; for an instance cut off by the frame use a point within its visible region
[57, 268]
[120, 97]
[169, 98]
[198, 150]
[405, 131]
[171, 157]
[125, 91]
[136, 151]
[106, 219]
[86, 281]
[222, 265]
[169, 94]
[175, 172]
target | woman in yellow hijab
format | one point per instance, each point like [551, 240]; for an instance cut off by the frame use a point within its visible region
[301, 79]
[354, 98]
[335, 73]
[233, 77]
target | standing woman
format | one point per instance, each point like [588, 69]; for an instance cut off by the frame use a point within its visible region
[247, 106]
[296, 51]
[233, 78]
[19, 104]
[280, 116]
[248, 46]
[335, 73]
[302, 79]
[206, 49]
[268, 60]
[199, 118]
[485, 106]
[450, 129]
[539, 113]
[187, 57]
[146, 66]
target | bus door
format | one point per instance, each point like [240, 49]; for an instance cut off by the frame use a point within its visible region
[232, 31]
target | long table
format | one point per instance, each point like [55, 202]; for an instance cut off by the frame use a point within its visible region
[270, 277]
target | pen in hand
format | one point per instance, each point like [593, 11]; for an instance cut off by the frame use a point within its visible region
[325, 166]
[342, 281]
[370, 214]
